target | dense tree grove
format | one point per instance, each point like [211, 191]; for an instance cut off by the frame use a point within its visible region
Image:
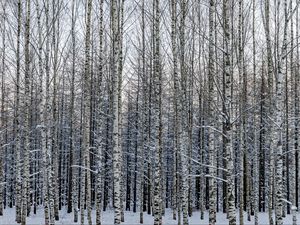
[148, 105]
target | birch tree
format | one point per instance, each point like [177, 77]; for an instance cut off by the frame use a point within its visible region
[3, 119]
[157, 210]
[100, 121]
[115, 91]
[211, 94]
[255, 158]
[228, 114]
[279, 122]
[25, 188]
[85, 188]
[183, 112]
[17, 120]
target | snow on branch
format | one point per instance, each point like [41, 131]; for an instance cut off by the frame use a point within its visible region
[85, 168]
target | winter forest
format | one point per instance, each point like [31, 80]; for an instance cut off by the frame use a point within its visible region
[149, 112]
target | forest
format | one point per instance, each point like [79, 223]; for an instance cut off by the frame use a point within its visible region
[149, 112]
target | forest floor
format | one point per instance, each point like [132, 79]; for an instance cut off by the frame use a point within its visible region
[133, 218]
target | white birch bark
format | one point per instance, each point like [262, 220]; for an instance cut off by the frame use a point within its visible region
[120, 81]
[142, 120]
[228, 111]
[293, 159]
[297, 110]
[183, 113]
[176, 106]
[25, 188]
[3, 114]
[100, 121]
[117, 154]
[54, 136]
[43, 111]
[211, 94]
[242, 125]
[279, 104]
[71, 115]
[255, 154]
[270, 191]
[157, 210]
[86, 187]
[296, 132]
[17, 123]
[73, 184]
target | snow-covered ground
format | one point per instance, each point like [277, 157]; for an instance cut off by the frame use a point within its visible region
[133, 218]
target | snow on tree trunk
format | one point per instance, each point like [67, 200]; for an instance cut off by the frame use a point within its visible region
[293, 159]
[3, 123]
[99, 165]
[228, 122]
[183, 113]
[142, 120]
[117, 154]
[255, 154]
[17, 120]
[211, 147]
[279, 104]
[157, 194]
[26, 165]
[86, 187]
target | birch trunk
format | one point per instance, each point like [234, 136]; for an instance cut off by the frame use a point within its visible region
[241, 108]
[120, 81]
[86, 187]
[157, 207]
[71, 115]
[55, 185]
[183, 113]
[26, 187]
[143, 119]
[117, 154]
[211, 94]
[279, 105]
[255, 157]
[293, 160]
[17, 122]
[228, 112]
[73, 184]
[270, 98]
[296, 144]
[4, 118]
[100, 121]
[176, 106]
[44, 118]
